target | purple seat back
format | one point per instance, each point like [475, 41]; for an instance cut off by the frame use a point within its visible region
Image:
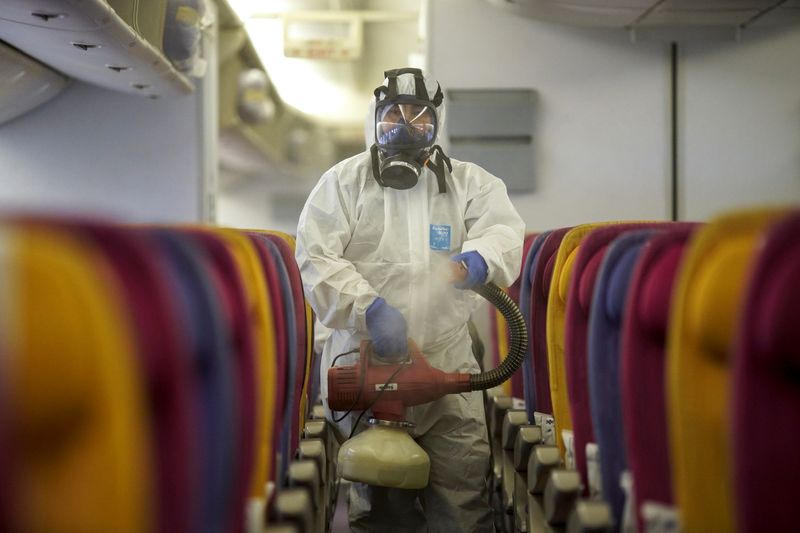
[605, 322]
[211, 364]
[515, 291]
[228, 282]
[525, 304]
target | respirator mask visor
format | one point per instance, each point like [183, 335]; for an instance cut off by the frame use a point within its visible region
[404, 125]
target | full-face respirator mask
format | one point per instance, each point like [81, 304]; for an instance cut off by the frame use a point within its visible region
[406, 127]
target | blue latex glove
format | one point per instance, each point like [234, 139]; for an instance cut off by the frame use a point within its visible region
[477, 269]
[388, 331]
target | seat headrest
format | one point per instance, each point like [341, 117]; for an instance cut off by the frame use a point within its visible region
[587, 280]
[654, 305]
[547, 275]
[618, 282]
[776, 334]
[566, 274]
[715, 297]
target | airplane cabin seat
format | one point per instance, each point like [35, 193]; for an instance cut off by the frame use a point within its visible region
[556, 332]
[540, 290]
[526, 305]
[608, 308]
[708, 300]
[766, 387]
[211, 360]
[78, 414]
[642, 375]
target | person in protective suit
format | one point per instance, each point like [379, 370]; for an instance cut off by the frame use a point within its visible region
[376, 244]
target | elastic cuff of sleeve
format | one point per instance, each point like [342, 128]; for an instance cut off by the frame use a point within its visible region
[361, 306]
[488, 256]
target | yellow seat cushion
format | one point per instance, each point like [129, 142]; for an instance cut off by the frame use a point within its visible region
[702, 331]
[309, 356]
[556, 313]
[258, 295]
[79, 429]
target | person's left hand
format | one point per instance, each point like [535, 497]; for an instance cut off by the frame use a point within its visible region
[476, 270]
[388, 330]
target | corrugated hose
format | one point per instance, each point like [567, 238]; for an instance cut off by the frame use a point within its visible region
[517, 346]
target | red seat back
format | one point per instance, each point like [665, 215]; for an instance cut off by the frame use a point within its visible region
[644, 334]
[766, 387]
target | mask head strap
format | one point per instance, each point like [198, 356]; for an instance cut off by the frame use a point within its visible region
[376, 171]
[438, 166]
[419, 86]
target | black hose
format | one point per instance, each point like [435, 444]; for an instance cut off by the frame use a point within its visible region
[518, 344]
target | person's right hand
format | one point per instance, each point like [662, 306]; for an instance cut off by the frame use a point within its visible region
[388, 331]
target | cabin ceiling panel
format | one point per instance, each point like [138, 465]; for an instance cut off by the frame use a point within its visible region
[630, 14]
[698, 17]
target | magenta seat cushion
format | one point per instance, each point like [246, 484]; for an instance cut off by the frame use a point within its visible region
[766, 387]
[643, 342]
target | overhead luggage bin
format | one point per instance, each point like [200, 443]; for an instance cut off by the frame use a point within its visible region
[183, 39]
[253, 121]
[115, 44]
[25, 83]
[703, 328]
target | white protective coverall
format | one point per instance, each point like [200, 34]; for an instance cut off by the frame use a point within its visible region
[357, 241]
